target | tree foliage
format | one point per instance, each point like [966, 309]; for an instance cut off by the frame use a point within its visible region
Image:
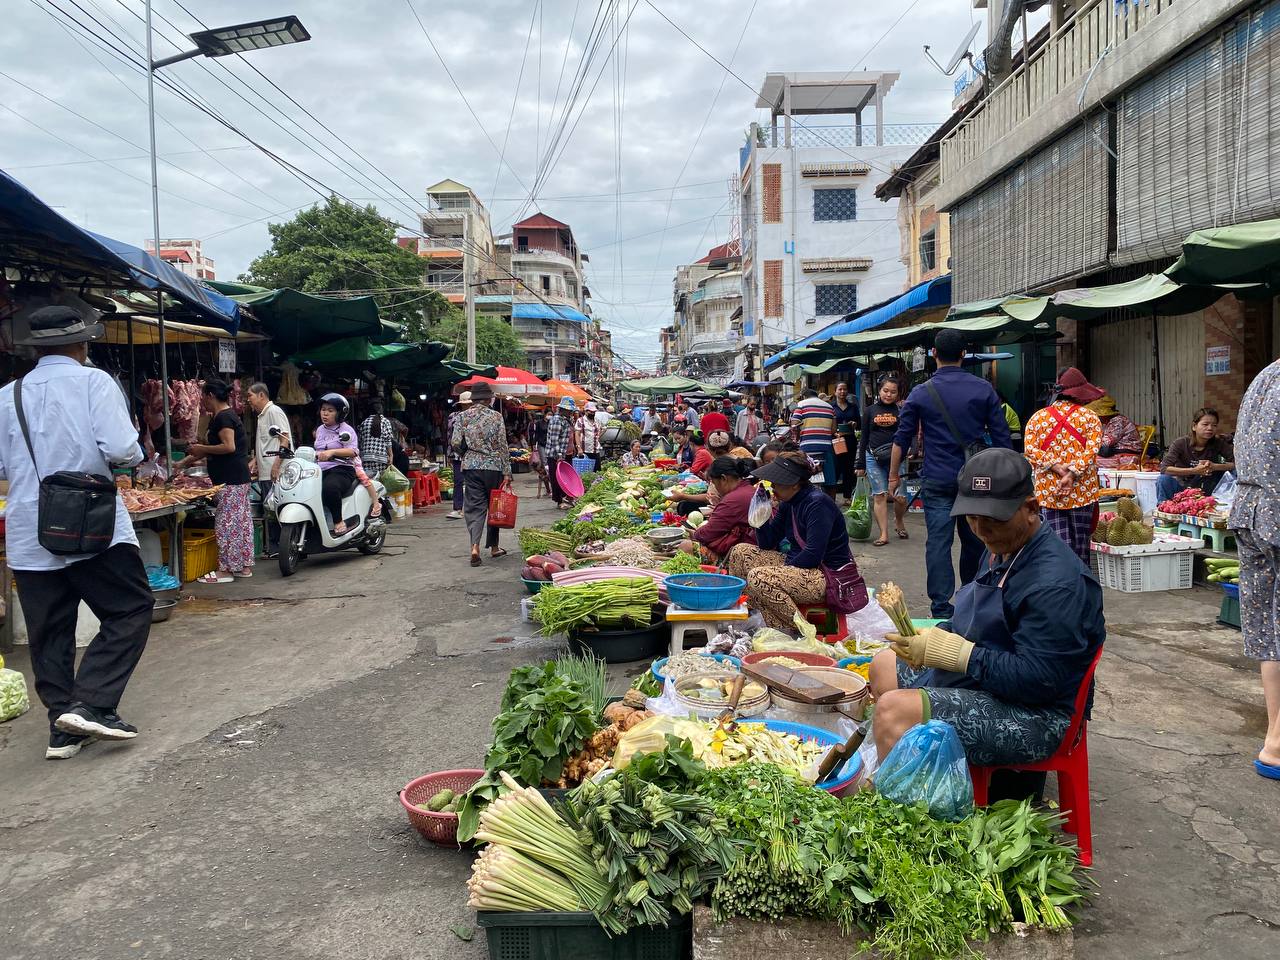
[496, 342]
[337, 246]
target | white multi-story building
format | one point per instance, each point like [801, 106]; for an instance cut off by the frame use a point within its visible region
[457, 240]
[186, 255]
[816, 246]
[707, 297]
[549, 308]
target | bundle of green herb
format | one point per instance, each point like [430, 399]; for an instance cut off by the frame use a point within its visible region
[545, 719]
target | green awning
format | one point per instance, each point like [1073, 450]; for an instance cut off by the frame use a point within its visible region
[299, 321]
[354, 355]
[1241, 253]
[663, 386]
[793, 372]
[1154, 292]
[991, 329]
[447, 373]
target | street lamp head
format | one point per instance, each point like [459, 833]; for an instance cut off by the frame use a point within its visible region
[245, 37]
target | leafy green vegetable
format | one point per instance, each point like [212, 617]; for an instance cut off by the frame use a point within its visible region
[545, 719]
[648, 684]
[534, 541]
[682, 563]
[602, 603]
[590, 673]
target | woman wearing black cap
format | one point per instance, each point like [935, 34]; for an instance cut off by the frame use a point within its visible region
[812, 523]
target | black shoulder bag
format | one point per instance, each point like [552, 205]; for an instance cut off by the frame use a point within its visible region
[970, 449]
[77, 511]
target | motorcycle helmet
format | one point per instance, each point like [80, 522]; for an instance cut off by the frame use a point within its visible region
[339, 403]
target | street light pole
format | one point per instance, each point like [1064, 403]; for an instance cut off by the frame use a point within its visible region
[155, 233]
[220, 42]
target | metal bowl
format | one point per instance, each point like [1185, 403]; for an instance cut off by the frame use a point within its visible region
[665, 536]
[162, 610]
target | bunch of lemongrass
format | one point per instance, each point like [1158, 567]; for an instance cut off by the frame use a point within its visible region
[891, 601]
[534, 860]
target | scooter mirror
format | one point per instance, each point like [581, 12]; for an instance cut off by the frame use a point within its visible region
[344, 437]
[274, 432]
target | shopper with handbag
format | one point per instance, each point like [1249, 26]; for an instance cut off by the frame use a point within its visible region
[954, 410]
[818, 567]
[845, 444]
[68, 535]
[875, 450]
[480, 441]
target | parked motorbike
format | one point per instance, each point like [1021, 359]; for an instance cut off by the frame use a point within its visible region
[305, 525]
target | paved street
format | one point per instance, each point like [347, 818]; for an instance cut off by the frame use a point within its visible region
[256, 814]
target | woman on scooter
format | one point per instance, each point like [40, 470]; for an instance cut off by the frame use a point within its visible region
[330, 448]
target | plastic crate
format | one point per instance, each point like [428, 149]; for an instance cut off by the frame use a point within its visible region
[1146, 572]
[1229, 612]
[199, 553]
[547, 935]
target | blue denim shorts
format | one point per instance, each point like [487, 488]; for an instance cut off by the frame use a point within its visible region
[878, 476]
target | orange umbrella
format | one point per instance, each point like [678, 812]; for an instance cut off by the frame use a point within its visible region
[559, 389]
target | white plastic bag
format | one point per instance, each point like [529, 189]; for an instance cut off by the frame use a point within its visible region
[761, 509]
[1224, 494]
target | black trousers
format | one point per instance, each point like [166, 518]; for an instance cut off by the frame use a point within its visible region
[334, 485]
[114, 586]
[556, 493]
[475, 510]
[847, 465]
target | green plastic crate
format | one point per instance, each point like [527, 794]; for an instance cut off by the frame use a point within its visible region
[561, 936]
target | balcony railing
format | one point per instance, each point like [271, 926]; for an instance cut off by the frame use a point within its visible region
[1060, 64]
[806, 135]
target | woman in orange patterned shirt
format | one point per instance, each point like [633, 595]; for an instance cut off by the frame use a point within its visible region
[1062, 442]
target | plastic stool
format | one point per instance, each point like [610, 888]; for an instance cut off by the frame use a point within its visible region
[832, 627]
[1070, 762]
[1217, 536]
[678, 630]
[431, 484]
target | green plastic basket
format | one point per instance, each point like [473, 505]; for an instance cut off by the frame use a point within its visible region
[561, 936]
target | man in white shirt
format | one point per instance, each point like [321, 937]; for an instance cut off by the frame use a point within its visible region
[603, 417]
[266, 454]
[77, 420]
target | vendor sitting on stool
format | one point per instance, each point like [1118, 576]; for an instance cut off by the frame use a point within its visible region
[1005, 669]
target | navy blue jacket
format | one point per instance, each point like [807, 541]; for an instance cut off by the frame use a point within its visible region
[1053, 606]
[821, 525]
[973, 405]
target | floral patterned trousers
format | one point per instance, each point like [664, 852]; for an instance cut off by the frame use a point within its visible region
[773, 588]
[233, 526]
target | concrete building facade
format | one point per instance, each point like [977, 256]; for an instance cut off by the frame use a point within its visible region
[187, 255]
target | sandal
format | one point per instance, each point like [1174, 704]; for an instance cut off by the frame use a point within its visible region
[501, 553]
[340, 530]
[903, 535]
[242, 574]
[376, 511]
[881, 543]
[475, 560]
[213, 577]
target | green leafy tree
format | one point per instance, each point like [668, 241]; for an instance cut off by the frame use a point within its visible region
[337, 246]
[496, 342]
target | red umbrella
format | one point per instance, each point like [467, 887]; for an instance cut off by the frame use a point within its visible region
[511, 381]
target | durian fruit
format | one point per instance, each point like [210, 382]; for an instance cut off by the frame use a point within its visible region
[1128, 508]
[1100, 533]
[1141, 533]
[1118, 534]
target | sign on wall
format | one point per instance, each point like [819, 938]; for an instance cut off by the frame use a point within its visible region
[226, 356]
[1217, 361]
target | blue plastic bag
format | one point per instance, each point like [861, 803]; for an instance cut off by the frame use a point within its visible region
[928, 766]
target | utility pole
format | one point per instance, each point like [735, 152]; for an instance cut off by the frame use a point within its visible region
[155, 232]
[469, 297]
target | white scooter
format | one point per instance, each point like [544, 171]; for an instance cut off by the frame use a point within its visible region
[305, 526]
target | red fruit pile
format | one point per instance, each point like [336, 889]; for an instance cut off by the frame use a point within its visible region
[1191, 502]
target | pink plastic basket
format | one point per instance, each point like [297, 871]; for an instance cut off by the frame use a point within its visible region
[569, 479]
[441, 828]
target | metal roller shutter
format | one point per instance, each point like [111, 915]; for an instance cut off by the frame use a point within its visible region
[1197, 143]
[1042, 221]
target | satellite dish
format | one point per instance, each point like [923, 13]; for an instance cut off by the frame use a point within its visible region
[962, 52]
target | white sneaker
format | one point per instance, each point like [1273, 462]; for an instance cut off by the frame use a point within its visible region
[454, 515]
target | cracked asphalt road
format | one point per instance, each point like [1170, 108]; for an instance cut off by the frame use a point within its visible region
[256, 816]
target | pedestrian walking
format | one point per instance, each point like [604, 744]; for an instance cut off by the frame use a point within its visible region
[875, 449]
[813, 425]
[1062, 443]
[64, 416]
[1255, 520]
[486, 465]
[747, 425]
[455, 463]
[953, 409]
[559, 441]
[376, 437]
[845, 408]
[587, 433]
[225, 452]
[266, 463]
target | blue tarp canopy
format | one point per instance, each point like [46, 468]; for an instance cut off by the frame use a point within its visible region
[928, 295]
[540, 311]
[34, 235]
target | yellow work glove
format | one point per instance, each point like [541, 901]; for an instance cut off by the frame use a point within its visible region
[933, 647]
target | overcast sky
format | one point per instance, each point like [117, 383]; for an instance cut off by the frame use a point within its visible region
[370, 75]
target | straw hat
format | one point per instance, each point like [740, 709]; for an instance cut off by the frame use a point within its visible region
[464, 399]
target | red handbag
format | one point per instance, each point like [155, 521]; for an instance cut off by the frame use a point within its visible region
[502, 507]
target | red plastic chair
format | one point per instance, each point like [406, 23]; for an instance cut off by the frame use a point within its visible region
[1070, 762]
[825, 620]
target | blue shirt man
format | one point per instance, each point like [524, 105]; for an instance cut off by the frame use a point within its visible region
[972, 407]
